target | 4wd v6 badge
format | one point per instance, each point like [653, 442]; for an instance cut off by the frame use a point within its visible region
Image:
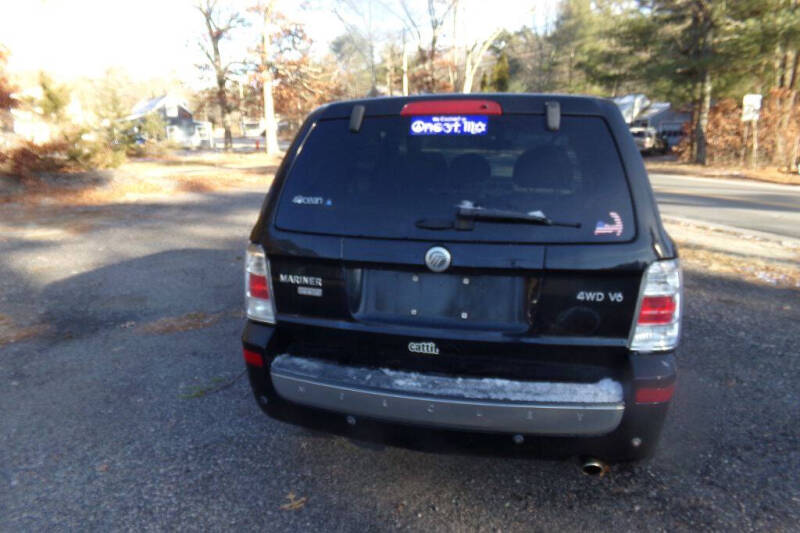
[599, 296]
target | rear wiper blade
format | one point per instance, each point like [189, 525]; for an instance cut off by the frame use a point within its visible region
[505, 215]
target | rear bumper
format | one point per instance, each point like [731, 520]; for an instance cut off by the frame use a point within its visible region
[409, 398]
[610, 430]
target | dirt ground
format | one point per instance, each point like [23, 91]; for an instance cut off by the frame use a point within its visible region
[124, 403]
[142, 179]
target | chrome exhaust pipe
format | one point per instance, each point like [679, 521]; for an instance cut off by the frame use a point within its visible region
[592, 466]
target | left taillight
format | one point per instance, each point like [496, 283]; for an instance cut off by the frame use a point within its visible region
[258, 286]
[658, 324]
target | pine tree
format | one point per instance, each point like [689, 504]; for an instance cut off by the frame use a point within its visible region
[500, 74]
[688, 45]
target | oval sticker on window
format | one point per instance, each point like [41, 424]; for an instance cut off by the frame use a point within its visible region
[449, 125]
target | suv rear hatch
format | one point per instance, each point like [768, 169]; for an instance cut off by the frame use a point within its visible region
[505, 195]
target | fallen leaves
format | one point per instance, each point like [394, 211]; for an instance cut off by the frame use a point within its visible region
[293, 503]
[187, 322]
[11, 332]
[217, 384]
[144, 179]
[752, 268]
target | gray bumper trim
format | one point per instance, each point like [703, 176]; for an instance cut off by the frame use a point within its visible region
[343, 396]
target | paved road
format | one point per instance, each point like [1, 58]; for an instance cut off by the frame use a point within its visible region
[109, 418]
[744, 204]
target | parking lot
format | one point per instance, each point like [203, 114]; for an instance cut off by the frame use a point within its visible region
[123, 405]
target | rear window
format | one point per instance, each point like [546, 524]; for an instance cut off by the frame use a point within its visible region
[381, 181]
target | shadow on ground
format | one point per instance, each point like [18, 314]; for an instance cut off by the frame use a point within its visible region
[102, 432]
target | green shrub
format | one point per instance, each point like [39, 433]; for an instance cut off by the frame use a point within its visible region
[75, 152]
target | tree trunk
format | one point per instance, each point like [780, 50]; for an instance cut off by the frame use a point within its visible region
[373, 73]
[431, 62]
[795, 154]
[473, 60]
[785, 104]
[469, 74]
[569, 70]
[390, 73]
[452, 68]
[224, 112]
[405, 66]
[693, 121]
[270, 124]
[701, 130]
[222, 97]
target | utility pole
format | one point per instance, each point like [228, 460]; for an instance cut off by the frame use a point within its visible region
[270, 124]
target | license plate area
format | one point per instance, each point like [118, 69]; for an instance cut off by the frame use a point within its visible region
[444, 300]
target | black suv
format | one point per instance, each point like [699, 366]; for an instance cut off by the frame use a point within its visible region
[485, 273]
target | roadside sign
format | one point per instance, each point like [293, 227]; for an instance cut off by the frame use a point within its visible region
[751, 105]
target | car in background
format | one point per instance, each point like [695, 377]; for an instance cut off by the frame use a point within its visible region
[648, 140]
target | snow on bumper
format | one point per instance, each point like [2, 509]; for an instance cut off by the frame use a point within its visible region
[494, 405]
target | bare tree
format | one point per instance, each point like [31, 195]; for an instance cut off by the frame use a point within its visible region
[408, 19]
[357, 18]
[473, 60]
[266, 11]
[452, 70]
[438, 11]
[219, 25]
[437, 14]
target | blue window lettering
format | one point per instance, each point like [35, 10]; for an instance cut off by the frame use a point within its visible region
[449, 125]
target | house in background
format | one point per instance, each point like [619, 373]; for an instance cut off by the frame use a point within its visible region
[631, 105]
[667, 122]
[652, 118]
[181, 128]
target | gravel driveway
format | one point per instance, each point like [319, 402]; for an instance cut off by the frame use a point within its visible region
[123, 406]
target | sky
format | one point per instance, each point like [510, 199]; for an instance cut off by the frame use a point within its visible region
[158, 38]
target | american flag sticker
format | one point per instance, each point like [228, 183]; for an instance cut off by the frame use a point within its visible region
[604, 228]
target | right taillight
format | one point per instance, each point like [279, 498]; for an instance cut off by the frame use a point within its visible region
[258, 286]
[658, 323]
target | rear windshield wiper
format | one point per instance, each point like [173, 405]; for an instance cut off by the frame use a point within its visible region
[506, 215]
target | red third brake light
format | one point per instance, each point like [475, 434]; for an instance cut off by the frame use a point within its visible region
[258, 286]
[657, 310]
[452, 107]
